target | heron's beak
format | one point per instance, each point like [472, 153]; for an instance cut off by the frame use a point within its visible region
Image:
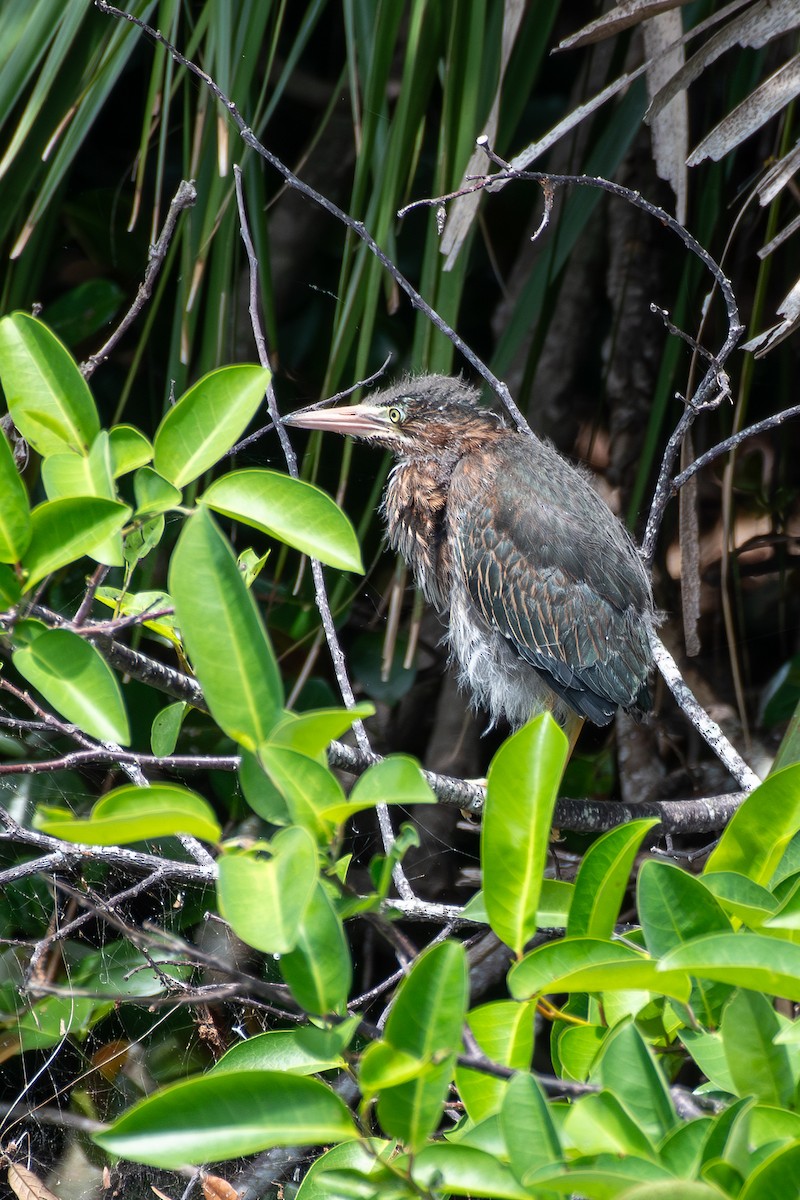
[357, 420]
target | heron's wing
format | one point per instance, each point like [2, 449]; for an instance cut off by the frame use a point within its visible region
[549, 567]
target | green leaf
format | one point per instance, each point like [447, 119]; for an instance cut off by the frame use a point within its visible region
[750, 960]
[761, 829]
[62, 531]
[682, 1149]
[757, 1066]
[382, 1066]
[577, 1050]
[591, 965]
[290, 510]
[166, 727]
[307, 787]
[598, 1124]
[627, 1068]
[678, 1189]
[787, 914]
[134, 814]
[741, 897]
[261, 793]
[224, 634]
[71, 474]
[675, 907]
[77, 681]
[10, 586]
[604, 1177]
[207, 420]
[504, 1031]
[450, 1169]
[521, 793]
[15, 512]
[707, 1050]
[265, 898]
[425, 1022]
[135, 604]
[776, 1178]
[129, 449]
[153, 493]
[47, 396]
[527, 1124]
[225, 1115]
[602, 880]
[312, 732]
[360, 1156]
[141, 539]
[278, 1050]
[319, 969]
[398, 779]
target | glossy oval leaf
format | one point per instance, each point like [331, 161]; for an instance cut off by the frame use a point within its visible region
[603, 878]
[277, 1050]
[592, 965]
[529, 1131]
[224, 634]
[627, 1067]
[675, 1189]
[757, 1065]
[71, 474]
[129, 449]
[425, 1021]
[598, 1123]
[750, 960]
[207, 420]
[398, 779]
[153, 493]
[504, 1031]
[47, 396]
[675, 907]
[290, 510]
[521, 793]
[319, 970]
[77, 681]
[166, 728]
[226, 1115]
[264, 894]
[307, 787]
[312, 732]
[451, 1169]
[63, 531]
[741, 897]
[15, 512]
[760, 831]
[134, 814]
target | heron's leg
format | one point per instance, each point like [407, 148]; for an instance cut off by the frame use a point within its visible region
[572, 726]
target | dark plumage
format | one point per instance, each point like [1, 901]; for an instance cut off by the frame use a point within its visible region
[547, 600]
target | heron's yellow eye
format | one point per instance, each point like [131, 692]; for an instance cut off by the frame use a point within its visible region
[395, 415]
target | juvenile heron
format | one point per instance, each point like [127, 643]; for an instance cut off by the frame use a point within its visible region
[546, 599]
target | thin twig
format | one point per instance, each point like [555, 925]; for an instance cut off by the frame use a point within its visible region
[730, 443]
[184, 198]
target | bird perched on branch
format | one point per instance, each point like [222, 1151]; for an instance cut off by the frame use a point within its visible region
[547, 601]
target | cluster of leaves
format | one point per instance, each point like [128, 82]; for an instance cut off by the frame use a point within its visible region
[688, 992]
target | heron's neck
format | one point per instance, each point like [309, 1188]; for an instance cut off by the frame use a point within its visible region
[414, 509]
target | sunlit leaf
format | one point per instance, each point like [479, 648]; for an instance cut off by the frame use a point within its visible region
[76, 680]
[226, 1115]
[291, 510]
[46, 394]
[206, 421]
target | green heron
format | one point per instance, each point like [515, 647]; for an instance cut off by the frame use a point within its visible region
[547, 600]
